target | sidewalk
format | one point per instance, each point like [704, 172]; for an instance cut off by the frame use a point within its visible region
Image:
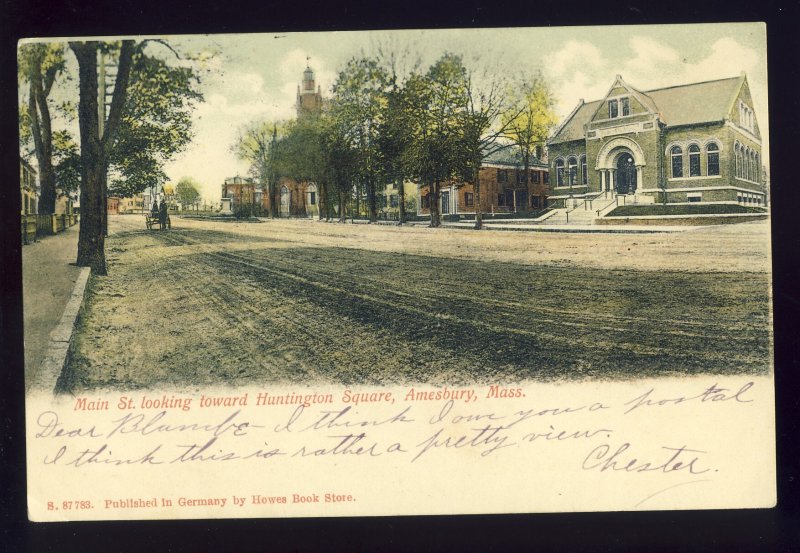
[48, 281]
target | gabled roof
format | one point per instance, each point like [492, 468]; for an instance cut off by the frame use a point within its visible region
[696, 103]
[574, 127]
[511, 156]
[676, 105]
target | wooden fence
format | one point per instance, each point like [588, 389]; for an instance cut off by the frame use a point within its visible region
[37, 225]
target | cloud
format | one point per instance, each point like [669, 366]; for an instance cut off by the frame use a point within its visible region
[650, 60]
[577, 55]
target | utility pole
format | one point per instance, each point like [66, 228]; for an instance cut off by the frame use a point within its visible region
[102, 105]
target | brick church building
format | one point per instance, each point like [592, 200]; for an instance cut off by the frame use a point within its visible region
[300, 199]
[698, 142]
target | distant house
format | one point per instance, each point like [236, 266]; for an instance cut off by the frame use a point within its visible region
[242, 191]
[502, 186]
[133, 204]
[28, 188]
[389, 200]
[689, 143]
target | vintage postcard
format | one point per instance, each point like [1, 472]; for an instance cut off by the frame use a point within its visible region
[397, 272]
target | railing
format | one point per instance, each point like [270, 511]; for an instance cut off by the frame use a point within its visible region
[575, 206]
[34, 225]
[614, 202]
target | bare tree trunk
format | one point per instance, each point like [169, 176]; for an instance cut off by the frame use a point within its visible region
[478, 205]
[436, 220]
[41, 130]
[95, 150]
[372, 200]
[401, 196]
[342, 203]
[91, 238]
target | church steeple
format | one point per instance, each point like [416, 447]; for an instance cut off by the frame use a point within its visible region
[308, 99]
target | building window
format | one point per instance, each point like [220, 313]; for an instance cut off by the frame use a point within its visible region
[520, 177]
[694, 197]
[737, 156]
[677, 162]
[426, 201]
[712, 159]
[502, 175]
[613, 109]
[313, 198]
[546, 178]
[573, 170]
[694, 160]
[535, 177]
[501, 200]
[584, 171]
[747, 163]
[393, 200]
[560, 172]
[469, 199]
[625, 103]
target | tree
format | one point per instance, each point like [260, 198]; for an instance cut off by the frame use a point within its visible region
[436, 103]
[258, 144]
[39, 65]
[96, 150]
[149, 120]
[395, 130]
[358, 105]
[188, 191]
[534, 117]
[486, 118]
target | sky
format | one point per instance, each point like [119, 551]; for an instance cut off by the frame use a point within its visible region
[251, 77]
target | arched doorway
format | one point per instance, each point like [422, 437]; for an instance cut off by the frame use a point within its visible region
[285, 201]
[626, 174]
[312, 200]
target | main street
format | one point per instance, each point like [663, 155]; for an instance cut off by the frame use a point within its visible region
[310, 302]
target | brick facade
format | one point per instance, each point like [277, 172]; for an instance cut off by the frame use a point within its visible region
[502, 191]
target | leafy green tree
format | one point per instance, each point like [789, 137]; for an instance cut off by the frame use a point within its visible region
[436, 104]
[395, 131]
[304, 157]
[39, 66]
[358, 106]
[188, 191]
[148, 121]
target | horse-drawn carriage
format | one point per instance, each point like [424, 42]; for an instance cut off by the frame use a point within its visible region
[155, 221]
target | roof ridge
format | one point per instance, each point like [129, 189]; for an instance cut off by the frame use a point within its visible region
[692, 84]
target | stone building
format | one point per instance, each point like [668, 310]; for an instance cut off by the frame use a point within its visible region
[503, 188]
[698, 142]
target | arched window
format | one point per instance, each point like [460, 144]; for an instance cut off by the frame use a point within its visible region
[560, 172]
[694, 160]
[677, 162]
[754, 167]
[747, 164]
[584, 171]
[737, 159]
[712, 159]
[572, 168]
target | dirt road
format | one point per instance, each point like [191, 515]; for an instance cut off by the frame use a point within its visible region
[309, 302]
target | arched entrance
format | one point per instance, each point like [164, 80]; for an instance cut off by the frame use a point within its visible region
[285, 201]
[620, 162]
[626, 174]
